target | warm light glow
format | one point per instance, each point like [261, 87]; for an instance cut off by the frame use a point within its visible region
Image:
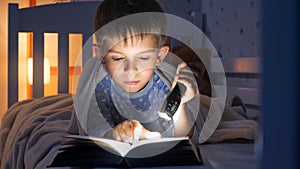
[46, 71]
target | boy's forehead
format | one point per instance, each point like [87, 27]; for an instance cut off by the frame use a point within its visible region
[138, 40]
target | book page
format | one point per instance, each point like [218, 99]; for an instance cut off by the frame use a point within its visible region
[157, 140]
[119, 147]
[123, 148]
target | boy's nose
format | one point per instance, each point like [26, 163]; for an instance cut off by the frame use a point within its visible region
[130, 68]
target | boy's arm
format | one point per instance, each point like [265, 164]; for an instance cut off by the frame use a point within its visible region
[183, 123]
[183, 118]
[97, 125]
[99, 122]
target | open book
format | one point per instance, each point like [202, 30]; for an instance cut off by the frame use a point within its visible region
[87, 151]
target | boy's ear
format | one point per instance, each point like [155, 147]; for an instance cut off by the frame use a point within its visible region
[97, 53]
[162, 54]
[96, 50]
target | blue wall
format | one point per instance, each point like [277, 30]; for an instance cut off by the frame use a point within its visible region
[233, 26]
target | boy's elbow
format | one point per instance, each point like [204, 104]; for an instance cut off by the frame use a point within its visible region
[184, 132]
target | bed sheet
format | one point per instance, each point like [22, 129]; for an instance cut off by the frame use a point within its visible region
[32, 131]
[219, 156]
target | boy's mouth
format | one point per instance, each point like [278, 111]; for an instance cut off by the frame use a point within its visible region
[132, 82]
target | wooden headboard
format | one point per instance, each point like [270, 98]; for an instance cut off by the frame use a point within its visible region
[243, 78]
[61, 18]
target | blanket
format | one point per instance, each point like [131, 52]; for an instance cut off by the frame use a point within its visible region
[32, 130]
[234, 123]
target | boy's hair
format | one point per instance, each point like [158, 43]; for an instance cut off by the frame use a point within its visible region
[110, 10]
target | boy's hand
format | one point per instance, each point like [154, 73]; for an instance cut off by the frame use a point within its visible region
[125, 132]
[185, 76]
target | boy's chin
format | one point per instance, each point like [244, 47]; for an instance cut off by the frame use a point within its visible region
[131, 90]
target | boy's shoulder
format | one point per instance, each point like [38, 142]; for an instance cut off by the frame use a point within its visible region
[165, 65]
[166, 72]
[100, 74]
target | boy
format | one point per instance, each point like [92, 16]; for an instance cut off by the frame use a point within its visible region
[133, 79]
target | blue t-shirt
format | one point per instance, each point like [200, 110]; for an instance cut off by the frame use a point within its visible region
[116, 105]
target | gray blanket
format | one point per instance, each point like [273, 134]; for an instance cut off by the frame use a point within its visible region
[234, 123]
[32, 129]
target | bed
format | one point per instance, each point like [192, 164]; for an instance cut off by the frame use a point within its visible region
[32, 129]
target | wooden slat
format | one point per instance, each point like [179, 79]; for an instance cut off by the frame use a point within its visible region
[87, 50]
[38, 65]
[13, 54]
[62, 18]
[73, 70]
[63, 63]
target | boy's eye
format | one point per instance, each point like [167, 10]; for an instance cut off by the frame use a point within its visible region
[144, 57]
[117, 58]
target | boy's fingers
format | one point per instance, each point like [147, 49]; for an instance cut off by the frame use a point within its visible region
[125, 132]
[146, 134]
[185, 76]
[191, 91]
[180, 68]
[116, 135]
[128, 131]
[188, 82]
[174, 81]
[125, 138]
[135, 125]
[152, 135]
[186, 72]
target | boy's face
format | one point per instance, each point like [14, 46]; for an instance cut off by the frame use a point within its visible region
[131, 64]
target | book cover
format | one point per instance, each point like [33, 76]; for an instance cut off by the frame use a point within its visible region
[86, 151]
